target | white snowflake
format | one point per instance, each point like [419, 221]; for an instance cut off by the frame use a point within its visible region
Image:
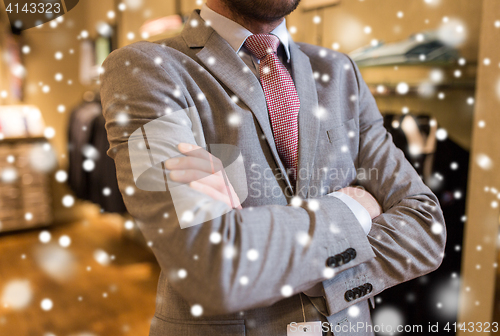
[196, 310]
[302, 238]
[313, 205]
[102, 257]
[68, 201]
[286, 290]
[353, 311]
[296, 201]
[64, 241]
[182, 273]
[229, 252]
[234, 119]
[328, 272]
[129, 190]
[437, 228]
[215, 238]
[46, 304]
[402, 88]
[129, 225]
[252, 254]
[9, 175]
[44, 236]
[88, 165]
[122, 118]
[484, 161]
[441, 134]
[61, 176]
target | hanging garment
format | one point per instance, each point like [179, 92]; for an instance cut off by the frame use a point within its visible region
[91, 173]
[433, 297]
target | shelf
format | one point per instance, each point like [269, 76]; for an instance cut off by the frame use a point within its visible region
[22, 140]
[440, 75]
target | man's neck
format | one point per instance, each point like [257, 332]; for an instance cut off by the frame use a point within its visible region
[256, 27]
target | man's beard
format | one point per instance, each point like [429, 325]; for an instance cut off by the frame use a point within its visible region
[262, 10]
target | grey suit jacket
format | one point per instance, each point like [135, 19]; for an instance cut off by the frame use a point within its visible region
[342, 141]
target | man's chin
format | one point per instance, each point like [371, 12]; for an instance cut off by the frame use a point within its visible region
[265, 11]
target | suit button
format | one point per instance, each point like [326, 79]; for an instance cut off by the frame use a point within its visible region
[357, 293]
[368, 287]
[363, 290]
[339, 259]
[346, 257]
[349, 296]
[335, 261]
[352, 252]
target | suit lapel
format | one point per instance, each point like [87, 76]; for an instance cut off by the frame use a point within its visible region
[221, 60]
[309, 123]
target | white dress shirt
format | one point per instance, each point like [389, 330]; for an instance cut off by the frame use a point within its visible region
[236, 35]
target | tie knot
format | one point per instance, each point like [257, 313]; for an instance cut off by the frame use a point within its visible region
[262, 45]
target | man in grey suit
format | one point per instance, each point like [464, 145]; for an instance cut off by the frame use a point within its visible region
[304, 248]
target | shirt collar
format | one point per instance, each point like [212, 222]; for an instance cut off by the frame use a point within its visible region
[235, 34]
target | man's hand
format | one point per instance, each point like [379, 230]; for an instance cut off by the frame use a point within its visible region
[364, 198]
[204, 172]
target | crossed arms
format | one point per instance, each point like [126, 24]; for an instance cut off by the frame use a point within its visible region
[406, 239]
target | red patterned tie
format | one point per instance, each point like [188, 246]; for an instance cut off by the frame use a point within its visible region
[281, 96]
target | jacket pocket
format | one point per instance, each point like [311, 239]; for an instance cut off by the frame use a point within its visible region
[342, 131]
[163, 326]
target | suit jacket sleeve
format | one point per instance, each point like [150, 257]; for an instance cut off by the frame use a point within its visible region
[408, 238]
[136, 90]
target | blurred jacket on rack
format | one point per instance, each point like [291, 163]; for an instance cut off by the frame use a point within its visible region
[91, 173]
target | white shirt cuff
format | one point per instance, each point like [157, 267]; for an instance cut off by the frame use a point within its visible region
[362, 215]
